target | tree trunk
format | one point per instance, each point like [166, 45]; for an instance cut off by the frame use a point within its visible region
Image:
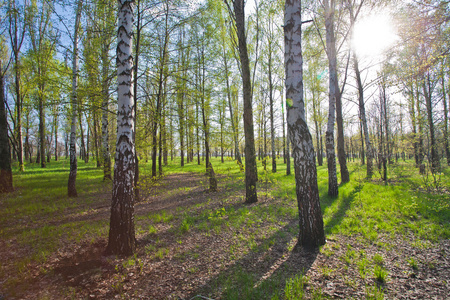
[212, 178]
[251, 172]
[135, 85]
[96, 138]
[16, 38]
[272, 123]
[122, 239]
[159, 97]
[82, 144]
[311, 233]
[435, 165]
[331, 52]
[342, 157]
[27, 139]
[106, 156]
[362, 114]
[41, 125]
[71, 187]
[444, 100]
[283, 127]
[56, 137]
[420, 150]
[86, 155]
[6, 178]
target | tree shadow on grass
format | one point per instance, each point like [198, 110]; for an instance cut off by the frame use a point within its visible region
[341, 211]
[263, 271]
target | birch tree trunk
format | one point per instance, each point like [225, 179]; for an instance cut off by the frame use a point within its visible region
[311, 232]
[251, 172]
[329, 135]
[72, 190]
[121, 231]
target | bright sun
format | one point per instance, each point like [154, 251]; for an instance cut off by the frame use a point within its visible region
[373, 35]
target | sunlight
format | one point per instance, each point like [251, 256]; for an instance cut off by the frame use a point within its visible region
[373, 35]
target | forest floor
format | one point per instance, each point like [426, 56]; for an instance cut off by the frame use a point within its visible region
[384, 240]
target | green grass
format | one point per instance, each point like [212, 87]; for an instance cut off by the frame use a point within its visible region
[409, 205]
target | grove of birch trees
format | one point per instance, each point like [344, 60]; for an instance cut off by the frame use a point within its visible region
[250, 81]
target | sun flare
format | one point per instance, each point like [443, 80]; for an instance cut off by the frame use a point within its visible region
[373, 35]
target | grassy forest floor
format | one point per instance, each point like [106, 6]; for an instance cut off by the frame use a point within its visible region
[388, 240]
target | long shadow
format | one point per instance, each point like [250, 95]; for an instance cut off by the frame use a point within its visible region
[198, 193]
[343, 206]
[262, 272]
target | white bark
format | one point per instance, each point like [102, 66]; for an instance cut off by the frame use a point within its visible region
[121, 232]
[310, 215]
[72, 191]
[332, 65]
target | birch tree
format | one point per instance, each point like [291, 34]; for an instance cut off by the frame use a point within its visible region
[311, 232]
[122, 239]
[332, 66]
[72, 190]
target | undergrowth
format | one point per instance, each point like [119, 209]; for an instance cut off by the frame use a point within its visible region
[40, 217]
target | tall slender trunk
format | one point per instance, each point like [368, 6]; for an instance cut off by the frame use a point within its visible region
[272, 123]
[16, 38]
[383, 141]
[251, 172]
[363, 155]
[187, 135]
[342, 157]
[135, 85]
[27, 146]
[202, 76]
[82, 143]
[181, 88]
[234, 128]
[55, 128]
[181, 121]
[412, 114]
[86, 154]
[311, 232]
[331, 52]
[318, 141]
[420, 150]
[362, 114]
[389, 149]
[434, 151]
[316, 108]
[288, 153]
[444, 100]
[96, 138]
[41, 121]
[121, 240]
[6, 178]
[283, 127]
[72, 190]
[264, 121]
[159, 96]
